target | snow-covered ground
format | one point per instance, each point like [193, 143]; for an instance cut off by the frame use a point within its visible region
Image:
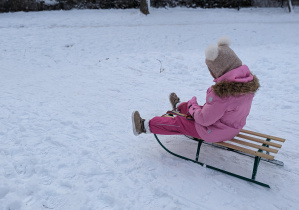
[71, 79]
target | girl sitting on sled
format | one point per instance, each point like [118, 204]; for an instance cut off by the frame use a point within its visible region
[227, 104]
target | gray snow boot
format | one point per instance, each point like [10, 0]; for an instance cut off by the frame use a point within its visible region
[138, 123]
[174, 100]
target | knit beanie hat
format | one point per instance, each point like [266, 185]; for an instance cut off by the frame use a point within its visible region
[220, 58]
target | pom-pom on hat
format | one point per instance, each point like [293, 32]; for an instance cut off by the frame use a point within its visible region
[220, 58]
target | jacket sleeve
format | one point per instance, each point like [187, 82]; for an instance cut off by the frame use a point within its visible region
[207, 115]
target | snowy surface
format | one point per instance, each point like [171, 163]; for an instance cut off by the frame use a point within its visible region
[71, 79]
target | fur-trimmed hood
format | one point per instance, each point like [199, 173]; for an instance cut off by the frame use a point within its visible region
[225, 88]
[236, 82]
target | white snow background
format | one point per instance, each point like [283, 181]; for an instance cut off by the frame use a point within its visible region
[71, 79]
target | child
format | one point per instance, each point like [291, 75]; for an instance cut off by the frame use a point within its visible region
[227, 104]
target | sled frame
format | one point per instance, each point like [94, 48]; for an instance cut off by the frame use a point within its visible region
[274, 161]
[257, 160]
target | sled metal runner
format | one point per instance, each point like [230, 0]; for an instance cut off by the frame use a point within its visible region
[257, 160]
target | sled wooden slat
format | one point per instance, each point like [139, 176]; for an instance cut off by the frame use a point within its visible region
[249, 151]
[259, 140]
[254, 145]
[263, 135]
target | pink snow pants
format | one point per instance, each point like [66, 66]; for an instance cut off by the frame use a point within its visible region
[177, 125]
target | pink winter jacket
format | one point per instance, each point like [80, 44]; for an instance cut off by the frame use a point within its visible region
[227, 105]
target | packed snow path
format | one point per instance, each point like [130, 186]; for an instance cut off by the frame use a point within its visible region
[71, 79]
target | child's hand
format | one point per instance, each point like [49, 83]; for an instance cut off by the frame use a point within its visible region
[192, 101]
[193, 106]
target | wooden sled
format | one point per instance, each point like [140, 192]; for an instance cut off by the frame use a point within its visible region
[260, 146]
